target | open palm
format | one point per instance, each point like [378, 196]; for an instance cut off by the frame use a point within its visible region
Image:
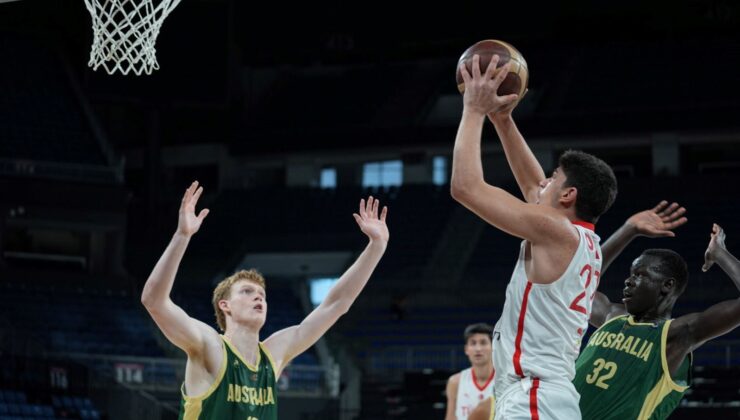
[659, 221]
[370, 223]
[188, 223]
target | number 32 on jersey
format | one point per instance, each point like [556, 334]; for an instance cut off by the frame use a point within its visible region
[603, 371]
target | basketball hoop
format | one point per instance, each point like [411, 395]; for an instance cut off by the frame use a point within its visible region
[124, 34]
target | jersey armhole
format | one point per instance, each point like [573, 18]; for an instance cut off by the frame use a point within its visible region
[664, 359]
[215, 383]
[269, 358]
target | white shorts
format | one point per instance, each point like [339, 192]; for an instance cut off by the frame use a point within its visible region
[534, 399]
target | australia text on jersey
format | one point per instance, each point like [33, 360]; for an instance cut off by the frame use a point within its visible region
[250, 395]
[629, 344]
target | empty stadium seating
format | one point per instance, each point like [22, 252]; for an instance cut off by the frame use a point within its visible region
[40, 117]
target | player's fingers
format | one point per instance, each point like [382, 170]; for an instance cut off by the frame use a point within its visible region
[721, 234]
[509, 99]
[668, 209]
[464, 73]
[676, 214]
[357, 217]
[383, 214]
[676, 223]
[197, 194]
[362, 208]
[476, 66]
[375, 209]
[189, 191]
[501, 75]
[203, 213]
[660, 206]
[491, 69]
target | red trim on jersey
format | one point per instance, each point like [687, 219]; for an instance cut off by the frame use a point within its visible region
[589, 226]
[481, 388]
[533, 399]
[520, 332]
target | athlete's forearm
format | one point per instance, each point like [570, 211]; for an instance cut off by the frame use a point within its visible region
[159, 284]
[467, 169]
[616, 243]
[349, 286]
[527, 170]
[729, 265]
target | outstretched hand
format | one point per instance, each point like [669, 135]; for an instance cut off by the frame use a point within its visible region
[716, 243]
[481, 90]
[370, 223]
[658, 222]
[188, 223]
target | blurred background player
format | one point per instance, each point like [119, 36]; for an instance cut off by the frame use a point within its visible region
[467, 388]
[547, 307]
[638, 363]
[233, 376]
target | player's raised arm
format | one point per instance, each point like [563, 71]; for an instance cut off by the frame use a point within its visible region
[288, 343]
[493, 204]
[183, 331]
[527, 170]
[698, 328]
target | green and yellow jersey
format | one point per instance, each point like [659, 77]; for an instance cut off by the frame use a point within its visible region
[622, 373]
[241, 391]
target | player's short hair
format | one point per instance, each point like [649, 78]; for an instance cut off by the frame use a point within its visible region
[594, 180]
[479, 328]
[671, 265]
[223, 291]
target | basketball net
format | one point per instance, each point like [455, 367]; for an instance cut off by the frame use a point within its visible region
[124, 34]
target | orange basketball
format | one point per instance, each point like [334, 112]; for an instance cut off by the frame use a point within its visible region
[518, 77]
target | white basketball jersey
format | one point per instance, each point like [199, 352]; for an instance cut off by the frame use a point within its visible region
[541, 326]
[470, 393]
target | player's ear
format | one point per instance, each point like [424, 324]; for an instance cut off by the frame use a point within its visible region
[223, 304]
[568, 196]
[668, 286]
